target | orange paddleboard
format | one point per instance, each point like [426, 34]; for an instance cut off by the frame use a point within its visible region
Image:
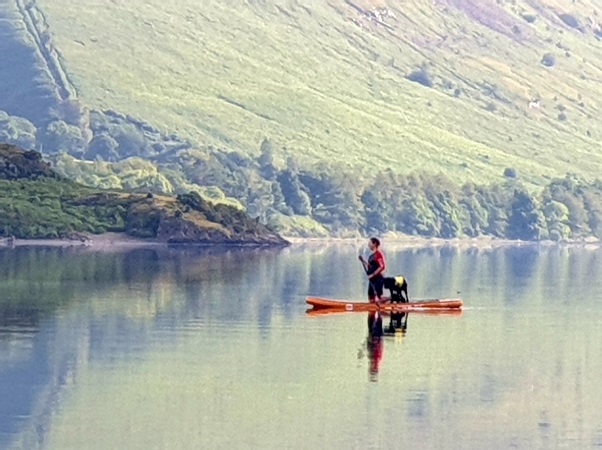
[421, 305]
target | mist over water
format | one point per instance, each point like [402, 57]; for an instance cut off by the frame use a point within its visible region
[213, 349]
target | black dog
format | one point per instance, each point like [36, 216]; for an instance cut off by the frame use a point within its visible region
[398, 286]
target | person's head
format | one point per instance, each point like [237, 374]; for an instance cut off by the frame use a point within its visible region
[374, 243]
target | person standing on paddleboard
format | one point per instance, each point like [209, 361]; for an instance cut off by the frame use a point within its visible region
[375, 269]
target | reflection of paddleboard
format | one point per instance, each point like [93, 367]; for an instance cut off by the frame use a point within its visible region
[421, 305]
[424, 311]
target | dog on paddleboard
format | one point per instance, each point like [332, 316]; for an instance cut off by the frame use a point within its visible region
[398, 287]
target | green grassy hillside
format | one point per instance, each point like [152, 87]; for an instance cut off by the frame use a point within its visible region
[328, 80]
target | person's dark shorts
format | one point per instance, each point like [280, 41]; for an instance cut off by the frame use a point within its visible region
[375, 289]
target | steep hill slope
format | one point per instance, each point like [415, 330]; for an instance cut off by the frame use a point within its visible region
[27, 87]
[508, 84]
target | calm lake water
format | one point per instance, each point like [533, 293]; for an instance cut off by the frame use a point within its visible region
[195, 349]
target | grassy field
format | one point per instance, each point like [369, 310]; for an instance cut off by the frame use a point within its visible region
[327, 83]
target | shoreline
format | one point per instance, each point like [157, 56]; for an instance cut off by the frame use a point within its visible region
[111, 240]
[482, 242]
[123, 241]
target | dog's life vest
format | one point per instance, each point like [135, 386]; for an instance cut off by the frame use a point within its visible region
[397, 287]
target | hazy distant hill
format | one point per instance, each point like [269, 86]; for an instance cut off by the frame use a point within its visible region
[328, 80]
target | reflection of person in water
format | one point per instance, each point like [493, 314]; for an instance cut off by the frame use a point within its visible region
[374, 342]
[398, 325]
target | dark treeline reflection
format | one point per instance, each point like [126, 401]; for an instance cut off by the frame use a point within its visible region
[62, 308]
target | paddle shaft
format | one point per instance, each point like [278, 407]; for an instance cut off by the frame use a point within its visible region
[365, 266]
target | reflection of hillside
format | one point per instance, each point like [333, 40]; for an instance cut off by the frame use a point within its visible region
[139, 284]
[61, 357]
[61, 308]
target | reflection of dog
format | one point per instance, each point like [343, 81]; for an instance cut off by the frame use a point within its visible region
[398, 286]
[398, 322]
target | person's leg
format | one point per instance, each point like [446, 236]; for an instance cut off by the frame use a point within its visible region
[378, 284]
[371, 293]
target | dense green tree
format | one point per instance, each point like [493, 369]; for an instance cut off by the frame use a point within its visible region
[266, 160]
[335, 197]
[418, 218]
[526, 220]
[60, 136]
[17, 131]
[130, 140]
[475, 216]
[103, 146]
[293, 192]
[557, 220]
[376, 220]
[569, 191]
[592, 199]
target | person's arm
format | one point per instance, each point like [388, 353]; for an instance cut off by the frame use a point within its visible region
[364, 262]
[381, 266]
